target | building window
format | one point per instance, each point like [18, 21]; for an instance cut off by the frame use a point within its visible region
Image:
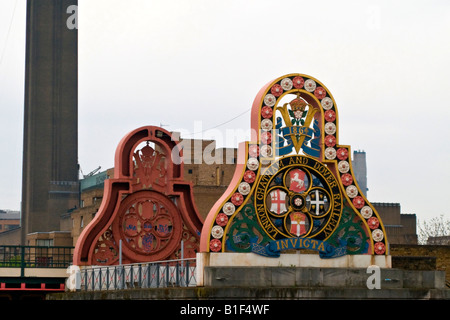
[81, 222]
[190, 171]
[44, 242]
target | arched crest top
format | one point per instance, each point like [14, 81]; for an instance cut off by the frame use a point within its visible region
[294, 185]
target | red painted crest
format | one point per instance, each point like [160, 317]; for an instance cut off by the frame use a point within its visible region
[147, 205]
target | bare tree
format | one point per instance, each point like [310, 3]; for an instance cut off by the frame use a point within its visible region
[434, 231]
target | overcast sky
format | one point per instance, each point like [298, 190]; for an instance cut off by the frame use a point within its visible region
[195, 65]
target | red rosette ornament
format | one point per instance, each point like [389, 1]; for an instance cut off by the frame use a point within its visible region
[358, 202]
[215, 245]
[298, 82]
[342, 153]
[266, 112]
[253, 151]
[380, 248]
[276, 90]
[347, 179]
[320, 93]
[330, 141]
[373, 223]
[330, 115]
[222, 219]
[237, 199]
[249, 176]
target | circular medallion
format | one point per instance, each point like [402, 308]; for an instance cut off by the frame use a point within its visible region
[150, 225]
[266, 137]
[379, 248]
[358, 202]
[320, 93]
[330, 128]
[298, 196]
[351, 191]
[252, 164]
[327, 103]
[310, 85]
[217, 232]
[215, 245]
[276, 90]
[330, 115]
[366, 212]
[298, 82]
[342, 153]
[330, 153]
[249, 176]
[377, 235]
[330, 141]
[373, 223]
[253, 150]
[343, 166]
[266, 124]
[286, 84]
[222, 219]
[266, 151]
[229, 208]
[237, 199]
[244, 188]
[266, 112]
[270, 100]
[347, 179]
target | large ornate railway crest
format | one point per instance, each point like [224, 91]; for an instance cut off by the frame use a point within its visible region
[147, 205]
[294, 187]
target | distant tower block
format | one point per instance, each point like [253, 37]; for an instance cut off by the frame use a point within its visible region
[360, 169]
[50, 164]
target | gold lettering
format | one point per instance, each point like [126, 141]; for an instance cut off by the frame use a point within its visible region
[284, 244]
[293, 242]
[321, 247]
[306, 246]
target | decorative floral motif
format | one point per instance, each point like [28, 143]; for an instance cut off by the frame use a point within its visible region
[320, 93]
[298, 82]
[266, 138]
[330, 115]
[327, 103]
[380, 248]
[330, 141]
[330, 128]
[217, 232]
[249, 176]
[266, 151]
[310, 85]
[266, 124]
[343, 166]
[244, 188]
[237, 199]
[270, 100]
[286, 84]
[347, 179]
[366, 212]
[330, 153]
[377, 235]
[276, 90]
[373, 223]
[252, 164]
[222, 219]
[351, 191]
[229, 208]
[253, 150]
[342, 154]
[358, 202]
[215, 245]
[266, 112]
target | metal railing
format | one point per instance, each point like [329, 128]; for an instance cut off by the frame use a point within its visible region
[35, 257]
[160, 274]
